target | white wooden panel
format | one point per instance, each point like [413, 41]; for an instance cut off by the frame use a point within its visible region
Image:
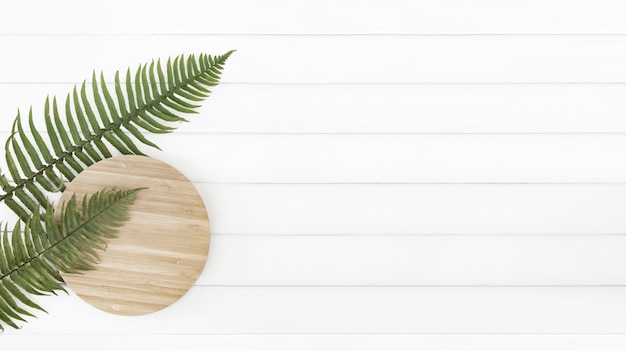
[395, 158]
[330, 59]
[415, 209]
[382, 108]
[387, 158]
[331, 17]
[308, 342]
[412, 208]
[356, 310]
[365, 260]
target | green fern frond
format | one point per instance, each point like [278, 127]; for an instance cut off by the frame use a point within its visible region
[29, 259]
[92, 123]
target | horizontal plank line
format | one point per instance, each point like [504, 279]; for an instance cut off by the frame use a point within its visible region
[399, 133]
[408, 286]
[468, 335]
[344, 83]
[383, 286]
[275, 34]
[421, 234]
[192, 132]
[318, 83]
[337, 334]
[608, 183]
[417, 235]
[228, 133]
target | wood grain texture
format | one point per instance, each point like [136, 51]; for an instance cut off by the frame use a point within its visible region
[159, 252]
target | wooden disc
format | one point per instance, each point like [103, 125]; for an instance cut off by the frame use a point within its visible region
[159, 252]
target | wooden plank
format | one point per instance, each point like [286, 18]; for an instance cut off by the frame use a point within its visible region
[355, 310]
[588, 209]
[415, 209]
[331, 59]
[396, 158]
[308, 342]
[328, 17]
[373, 260]
[393, 158]
[382, 108]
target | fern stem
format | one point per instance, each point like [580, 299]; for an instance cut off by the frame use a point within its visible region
[113, 126]
[85, 222]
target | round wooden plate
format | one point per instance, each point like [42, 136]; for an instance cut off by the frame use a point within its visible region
[159, 252]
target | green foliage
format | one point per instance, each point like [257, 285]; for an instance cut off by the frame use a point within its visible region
[91, 124]
[30, 258]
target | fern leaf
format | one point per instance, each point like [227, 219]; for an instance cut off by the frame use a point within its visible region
[29, 259]
[91, 127]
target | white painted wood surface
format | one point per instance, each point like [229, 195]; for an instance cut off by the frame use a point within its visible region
[231, 310]
[302, 59]
[438, 175]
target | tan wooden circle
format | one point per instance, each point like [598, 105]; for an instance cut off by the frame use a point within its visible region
[159, 252]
